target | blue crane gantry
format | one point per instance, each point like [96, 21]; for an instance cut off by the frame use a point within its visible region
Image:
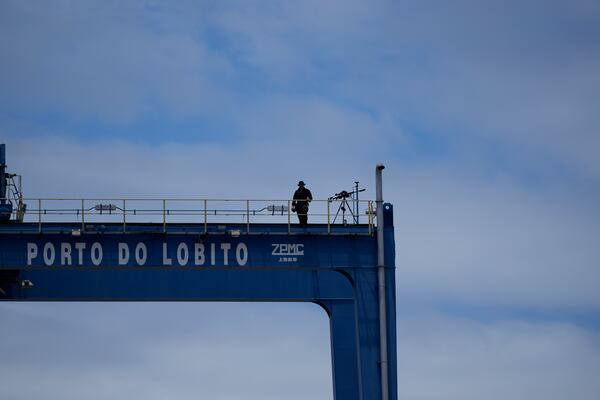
[339, 269]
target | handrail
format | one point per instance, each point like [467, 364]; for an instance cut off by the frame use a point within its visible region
[330, 214]
[170, 199]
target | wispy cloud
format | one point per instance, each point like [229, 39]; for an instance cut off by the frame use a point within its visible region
[485, 114]
[181, 350]
[441, 357]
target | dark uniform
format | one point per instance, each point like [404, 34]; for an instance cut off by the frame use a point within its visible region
[302, 197]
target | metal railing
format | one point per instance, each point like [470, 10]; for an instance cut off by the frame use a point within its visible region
[247, 216]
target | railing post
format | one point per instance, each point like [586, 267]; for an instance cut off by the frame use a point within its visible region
[328, 217]
[205, 217]
[39, 215]
[370, 211]
[289, 217]
[124, 216]
[164, 216]
[248, 216]
[82, 215]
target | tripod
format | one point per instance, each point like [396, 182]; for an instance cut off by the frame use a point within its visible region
[344, 205]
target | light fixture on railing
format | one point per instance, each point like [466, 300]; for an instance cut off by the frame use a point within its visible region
[105, 207]
[273, 208]
[110, 208]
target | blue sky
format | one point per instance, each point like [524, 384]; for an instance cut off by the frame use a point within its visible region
[485, 114]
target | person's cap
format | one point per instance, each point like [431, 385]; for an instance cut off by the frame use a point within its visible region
[301, 183]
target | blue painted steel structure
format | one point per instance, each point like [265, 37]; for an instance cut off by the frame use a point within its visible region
[338, 272]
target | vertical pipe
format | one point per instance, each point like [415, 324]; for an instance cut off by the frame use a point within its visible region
[381, 285]
[82, 215]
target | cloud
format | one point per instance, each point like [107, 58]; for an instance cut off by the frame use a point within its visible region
[228, 351]
[480, 242]
[165, 350]
[520, 81]
[105, 62]
[518, 87]
[441, 357]
[485, 116]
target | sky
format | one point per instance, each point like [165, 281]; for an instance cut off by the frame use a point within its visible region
[485, 114]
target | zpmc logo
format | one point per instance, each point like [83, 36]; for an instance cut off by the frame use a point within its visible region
[288, 252]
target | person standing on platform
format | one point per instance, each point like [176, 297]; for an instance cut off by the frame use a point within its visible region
[302, 197]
